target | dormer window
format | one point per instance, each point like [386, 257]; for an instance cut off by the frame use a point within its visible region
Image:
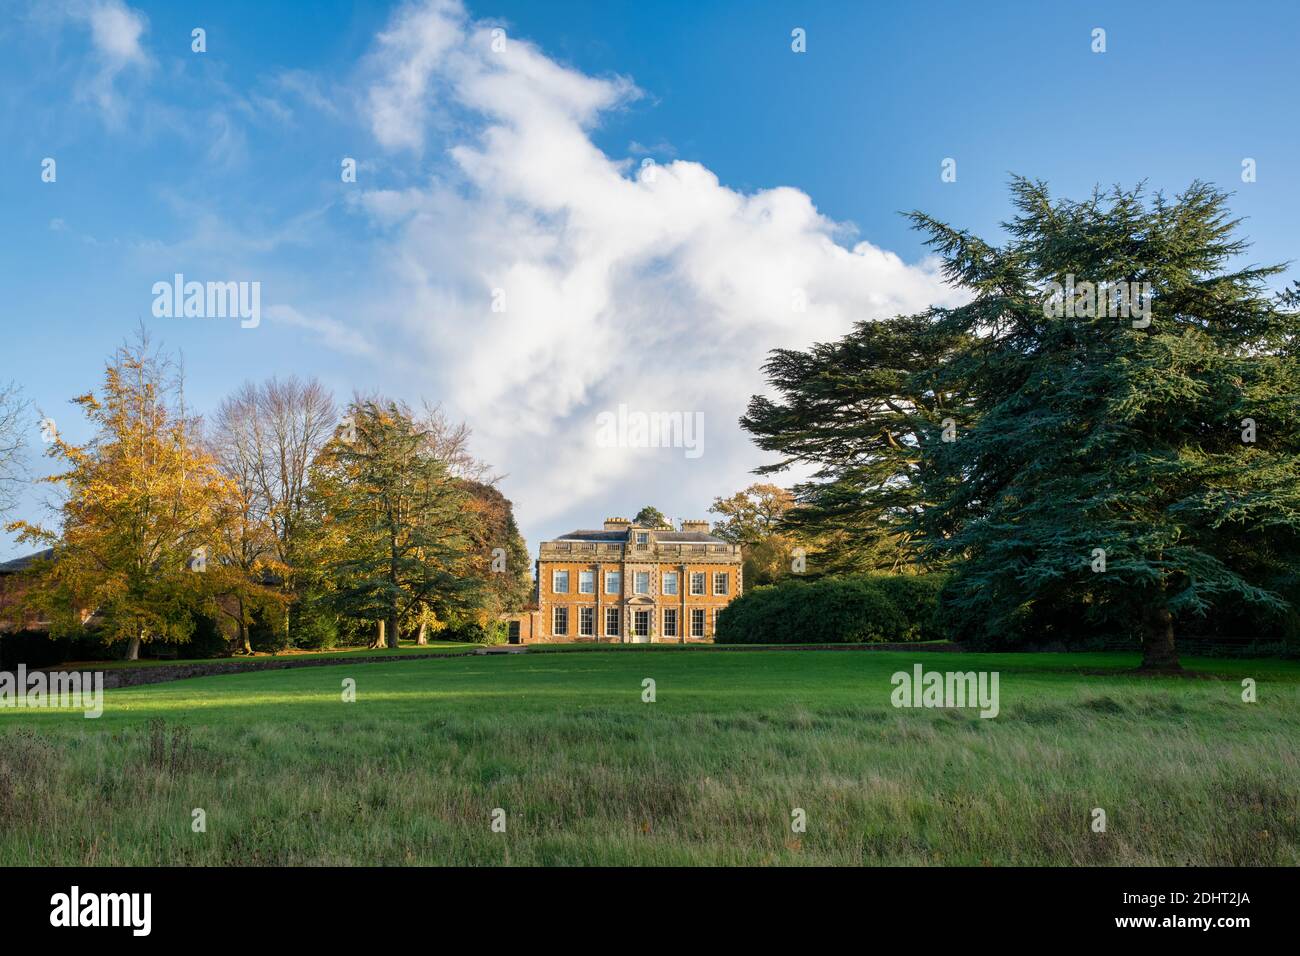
[642, 540]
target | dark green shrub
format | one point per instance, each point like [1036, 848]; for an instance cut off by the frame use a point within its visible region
[312, 628]
[474, 632]
[917, 598]
[355, 633]
[267, 633]
[849, 610]
[206, 640]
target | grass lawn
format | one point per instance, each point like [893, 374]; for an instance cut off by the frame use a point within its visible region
[587, 773]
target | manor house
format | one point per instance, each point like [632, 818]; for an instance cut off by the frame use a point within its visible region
[631, 584]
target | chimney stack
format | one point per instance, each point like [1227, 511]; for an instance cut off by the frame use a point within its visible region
[696, 526]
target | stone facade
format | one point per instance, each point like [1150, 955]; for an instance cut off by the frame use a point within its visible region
[523, 627]
[630, 584]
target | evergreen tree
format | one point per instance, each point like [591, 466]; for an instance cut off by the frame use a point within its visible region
[1135, 465]
[1104, 439]
[861, 410]
[394, 534]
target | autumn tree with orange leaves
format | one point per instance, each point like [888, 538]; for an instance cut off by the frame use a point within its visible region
[141, 515]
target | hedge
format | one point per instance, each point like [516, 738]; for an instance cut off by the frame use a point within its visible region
[825, 611]
[917, 598]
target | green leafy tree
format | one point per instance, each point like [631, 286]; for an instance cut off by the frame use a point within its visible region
[394, 531]
[501, 556]
[753, 519]
[1132, 468]
[651, 517]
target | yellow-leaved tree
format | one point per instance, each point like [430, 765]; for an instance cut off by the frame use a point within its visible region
[140, 512]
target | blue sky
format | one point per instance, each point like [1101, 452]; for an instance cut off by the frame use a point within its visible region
[520, 170]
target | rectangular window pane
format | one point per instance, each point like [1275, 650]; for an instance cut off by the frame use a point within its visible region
[670, 622]
[720, 582]
[641, 623]
[697, 582]
[586, 582]
[560, 582]
[670, 582]
[697, 622]
[613, 582]
[611, 622]
[587, 621]
[561, 621]
[641, 582]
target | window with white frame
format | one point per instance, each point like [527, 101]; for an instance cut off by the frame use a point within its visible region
[670, 622]
[613, 582]
[560, 582]
[697, 622]
[560, 621]
[641, 582]
[720, 582]
[697, 582]
[586, 621]
[611, 622]
[586, 582]
[642, 539]
[640, 623]
[670, 582]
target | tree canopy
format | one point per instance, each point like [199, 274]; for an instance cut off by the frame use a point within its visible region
[651, 517]
[1106, 437]
[141, 506]
[394, 530]
[753, 518]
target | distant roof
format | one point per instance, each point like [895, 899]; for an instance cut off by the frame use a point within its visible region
[25, 562]
[669, 537]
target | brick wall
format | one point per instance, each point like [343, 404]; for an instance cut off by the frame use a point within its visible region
[718, 575]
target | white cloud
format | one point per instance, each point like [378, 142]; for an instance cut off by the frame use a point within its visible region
[116, 30]
[657, 287]
[407, 55]
[333, 333]
[115, 35]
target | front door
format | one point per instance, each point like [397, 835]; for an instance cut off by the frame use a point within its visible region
[640, 627]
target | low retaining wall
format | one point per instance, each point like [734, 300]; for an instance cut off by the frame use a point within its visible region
[135, 676]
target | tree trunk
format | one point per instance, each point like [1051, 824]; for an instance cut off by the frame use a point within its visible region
[133, 648]
[1158, 651]
[244, 643]
[392, 630]
[379, 636]
[421, 639]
